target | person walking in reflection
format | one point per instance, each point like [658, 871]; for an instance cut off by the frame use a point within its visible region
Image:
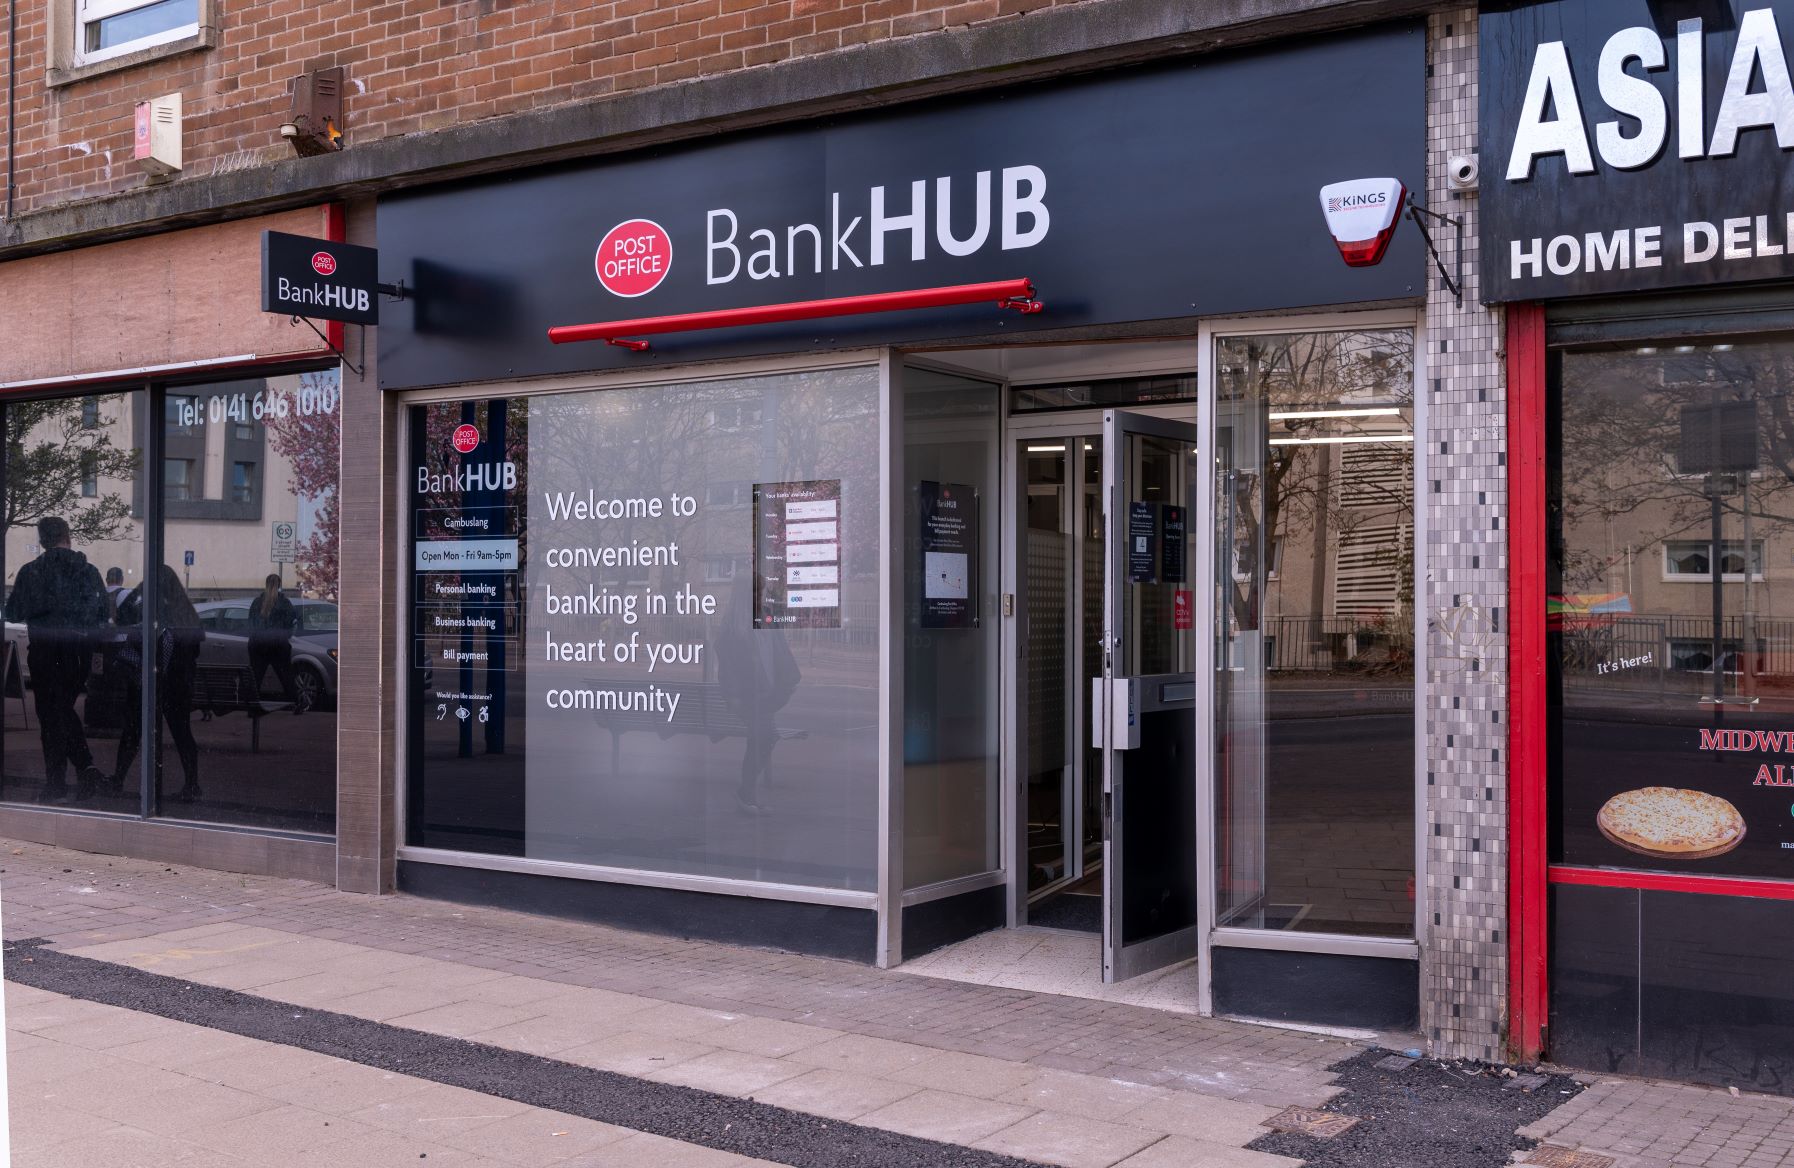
[757, 674]
[272, 620]
[62, 603]
[178, 639]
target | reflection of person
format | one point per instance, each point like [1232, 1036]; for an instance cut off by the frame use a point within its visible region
[272, 620]
[62, 603]
[177, 654]
[115, 587]
[757, 674]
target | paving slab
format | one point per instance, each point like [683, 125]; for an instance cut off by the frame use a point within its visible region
[945, 1116]
[1069, 1140]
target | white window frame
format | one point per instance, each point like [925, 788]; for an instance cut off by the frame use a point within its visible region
[88, 12]
[1671, 576]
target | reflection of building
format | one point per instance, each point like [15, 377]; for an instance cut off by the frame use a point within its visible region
[226, 485]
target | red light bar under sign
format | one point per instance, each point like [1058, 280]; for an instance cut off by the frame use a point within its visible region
[1016, 294]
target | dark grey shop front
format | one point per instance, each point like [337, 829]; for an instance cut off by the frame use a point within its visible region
[694, 646]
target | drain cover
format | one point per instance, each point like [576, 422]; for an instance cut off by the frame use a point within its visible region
[1552, 1156]
[1394, 1062]
[1324, 1125]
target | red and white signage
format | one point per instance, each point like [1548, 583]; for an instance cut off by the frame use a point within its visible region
[323, 263]
[633, 258]
[466, 438]
[1183, 609]
[1362, 214]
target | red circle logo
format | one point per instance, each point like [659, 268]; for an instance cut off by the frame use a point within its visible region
[466, 438]
[633, 257]
[323, 263]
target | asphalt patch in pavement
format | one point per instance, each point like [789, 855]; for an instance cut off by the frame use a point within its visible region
[693, 1116]
[1440, 1114]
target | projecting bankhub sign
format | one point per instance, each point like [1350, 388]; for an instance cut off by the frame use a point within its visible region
[1622, 151]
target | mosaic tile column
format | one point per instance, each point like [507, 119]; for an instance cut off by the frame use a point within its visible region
[1463, 977]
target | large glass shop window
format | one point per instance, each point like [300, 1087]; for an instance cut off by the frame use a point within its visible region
[239, 624]
[1314, 639]
[646, 627]
[1671, 571]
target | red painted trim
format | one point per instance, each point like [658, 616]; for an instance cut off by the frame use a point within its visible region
[1004, 293]
[1674, 882]
[1527, 758]
[336, 230]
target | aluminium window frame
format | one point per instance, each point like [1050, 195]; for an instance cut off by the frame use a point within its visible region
[90, 12]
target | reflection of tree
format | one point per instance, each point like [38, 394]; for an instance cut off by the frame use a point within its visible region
[312, 443]
[51, 446]
[1302, 489]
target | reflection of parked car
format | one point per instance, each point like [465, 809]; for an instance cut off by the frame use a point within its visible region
[314, 645]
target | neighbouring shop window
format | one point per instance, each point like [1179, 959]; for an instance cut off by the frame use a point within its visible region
[611, 669]
[952, 685]
[245, 617]
[1315, 631]
[69, 555]
[1672, 691]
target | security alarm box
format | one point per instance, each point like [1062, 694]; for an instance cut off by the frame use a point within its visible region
[157, 145]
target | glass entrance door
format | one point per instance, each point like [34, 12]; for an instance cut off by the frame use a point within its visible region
[1146, 695]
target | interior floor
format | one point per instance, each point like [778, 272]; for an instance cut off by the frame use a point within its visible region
[1056, 961]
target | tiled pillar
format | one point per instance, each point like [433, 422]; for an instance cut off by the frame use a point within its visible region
[368, 590]
[1464, 932]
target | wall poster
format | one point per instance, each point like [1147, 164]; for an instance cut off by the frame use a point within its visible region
[797, 555]
[949, 514]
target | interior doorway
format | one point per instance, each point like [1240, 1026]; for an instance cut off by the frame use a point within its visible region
[1099, 597]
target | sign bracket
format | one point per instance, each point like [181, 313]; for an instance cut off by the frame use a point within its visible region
[1415, 211]
[338, 353]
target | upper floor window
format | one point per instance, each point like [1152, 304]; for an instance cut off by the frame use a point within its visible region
[111, 28]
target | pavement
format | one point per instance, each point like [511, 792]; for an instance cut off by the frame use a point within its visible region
[163, 1015]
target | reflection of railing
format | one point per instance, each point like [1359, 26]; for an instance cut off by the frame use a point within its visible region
[1317, 644]
[1633, 649]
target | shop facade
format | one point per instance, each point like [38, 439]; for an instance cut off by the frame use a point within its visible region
[1639, 156]
[864, 634]
[1152, 591]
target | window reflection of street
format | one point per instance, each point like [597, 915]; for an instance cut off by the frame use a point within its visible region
[1315, 695]
[244, 458]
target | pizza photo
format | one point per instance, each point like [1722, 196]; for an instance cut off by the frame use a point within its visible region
[1671, 823]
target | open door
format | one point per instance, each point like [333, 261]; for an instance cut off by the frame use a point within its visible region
[1146, 695]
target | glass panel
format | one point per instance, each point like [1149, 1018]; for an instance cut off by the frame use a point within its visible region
[69, 557]
[584, 691]
[1155, 783]
[1672, 688]
[160, 17]
[951, 683]
[1048, 560]
[1095, 565]
[1315, 631]
[245, 628]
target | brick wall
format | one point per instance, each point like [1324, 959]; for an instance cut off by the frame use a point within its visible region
[1464, 975]
[416, 65]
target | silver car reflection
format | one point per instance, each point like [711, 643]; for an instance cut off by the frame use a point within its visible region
[226, 623]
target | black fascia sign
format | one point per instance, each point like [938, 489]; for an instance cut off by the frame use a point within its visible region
[1631, 145]
[1159, 192]
[319, 278]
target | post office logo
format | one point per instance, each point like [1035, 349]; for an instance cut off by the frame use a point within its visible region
[634, 257]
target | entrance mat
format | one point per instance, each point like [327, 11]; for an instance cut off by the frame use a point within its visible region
[1069, 910]
[1423, 1111]
[722, 1122]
